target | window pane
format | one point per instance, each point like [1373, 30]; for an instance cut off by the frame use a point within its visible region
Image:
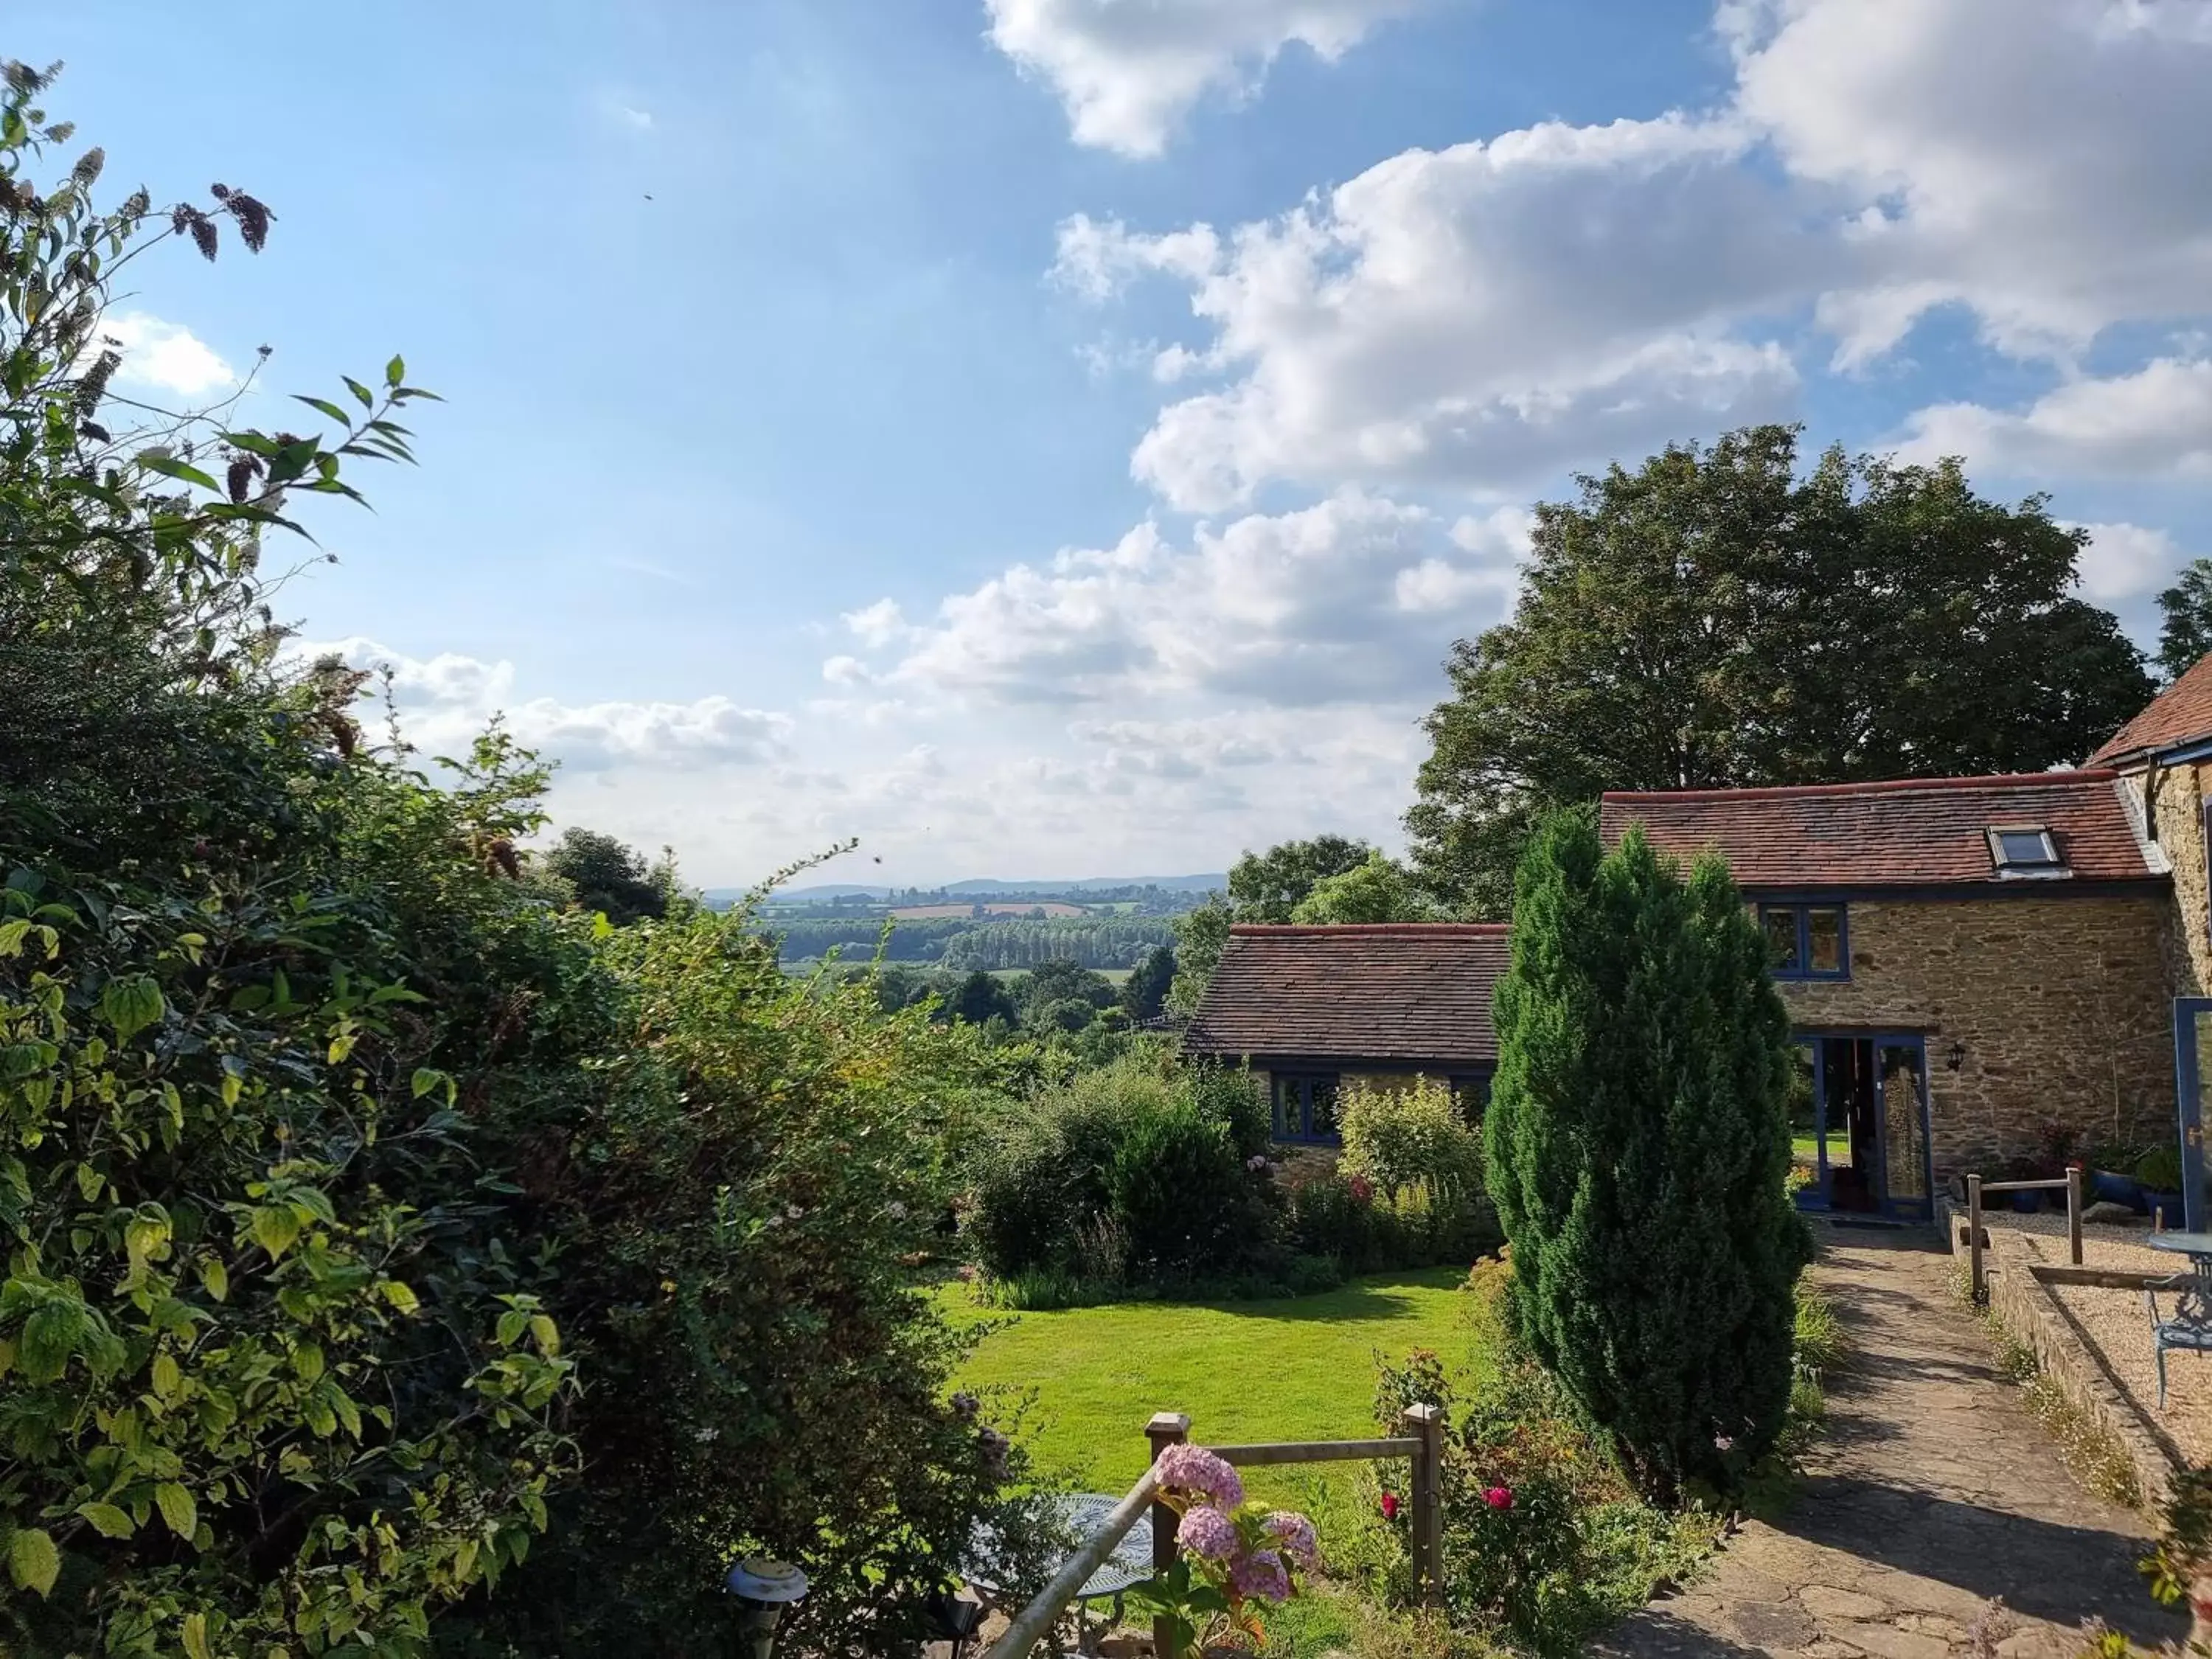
[1321, 1119]
[2023, 847]
[1286, 1109]
[1824, 931]
[1781, 925]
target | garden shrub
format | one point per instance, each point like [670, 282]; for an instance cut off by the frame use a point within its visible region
[1638, 1143]
[1136, 1168]
[1407, 1137]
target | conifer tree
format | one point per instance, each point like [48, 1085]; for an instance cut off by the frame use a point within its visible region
[1637, 1142]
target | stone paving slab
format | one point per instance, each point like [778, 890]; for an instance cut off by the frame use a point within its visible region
[1931, 1494]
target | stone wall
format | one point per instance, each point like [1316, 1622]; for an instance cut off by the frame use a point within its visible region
[2177, 821]
[2061, 1004]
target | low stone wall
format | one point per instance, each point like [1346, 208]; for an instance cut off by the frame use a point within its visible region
[2024, 1305]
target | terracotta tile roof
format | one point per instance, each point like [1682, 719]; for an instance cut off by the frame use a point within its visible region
[1395, 991]
[2180, 714]
[1913, 832]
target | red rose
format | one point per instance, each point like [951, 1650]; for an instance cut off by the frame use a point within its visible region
[1390, 1506]
[1499, 1498]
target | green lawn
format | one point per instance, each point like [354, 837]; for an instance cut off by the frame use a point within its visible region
[1299, 1368]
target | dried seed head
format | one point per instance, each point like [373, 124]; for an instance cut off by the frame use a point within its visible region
[203, 235]
[88, 168]
[244, 468]
[220, 192]
[253, 220]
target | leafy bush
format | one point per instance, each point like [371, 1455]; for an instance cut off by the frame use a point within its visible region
[1136, 1162]
[1410, 1137]
[1543, 1540]
[1638, 1143]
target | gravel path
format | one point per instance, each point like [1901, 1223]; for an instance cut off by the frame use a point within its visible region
[1932, 1493]
[2115, 1326]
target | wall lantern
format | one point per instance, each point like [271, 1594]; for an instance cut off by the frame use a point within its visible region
[763, 1589]
[1955, 1057]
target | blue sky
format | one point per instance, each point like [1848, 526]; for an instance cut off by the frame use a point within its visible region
[1063, 436]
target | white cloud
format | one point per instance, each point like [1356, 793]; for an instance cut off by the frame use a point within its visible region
[2156, 422]
[443, 702]
[1480, 316]
[167, 356]
[876, 624]
[1354, 599]
[1127, 70]
[2127, 561]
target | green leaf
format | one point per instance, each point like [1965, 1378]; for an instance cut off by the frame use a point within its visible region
[399, 1296]
[49, 1340]
[428, 1078]
[395, 372]
[307, 1362]
[216, 1277]
[107, 1520]
[166, 1376]
[33, 1561]
[169, 467]
[361, 394]
[276, 1228]
[324, 406]
[194, 1636]
[131, 1003]
[177, 1507]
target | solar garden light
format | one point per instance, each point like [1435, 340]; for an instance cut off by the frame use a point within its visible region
[763, 1589]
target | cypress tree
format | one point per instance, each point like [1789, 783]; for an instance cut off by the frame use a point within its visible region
[1637, 1142]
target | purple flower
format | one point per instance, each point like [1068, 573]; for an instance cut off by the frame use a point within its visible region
[1257, 1164]
[1261, 1574]
[1208, 1533]
[1294, 1535]
[1194, 1469]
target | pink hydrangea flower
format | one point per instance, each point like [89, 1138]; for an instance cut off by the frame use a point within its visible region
[1498, 1497]
[1194, 1469]
[1261, 1576]
[1294, 1535]
[1208, 1533]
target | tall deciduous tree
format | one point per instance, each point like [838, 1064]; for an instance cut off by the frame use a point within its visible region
[1144, 992]
[1635, 1145]
[1714, 619]
[1381, 890]
[609, 876]
[1266, 887]
[2186, 635]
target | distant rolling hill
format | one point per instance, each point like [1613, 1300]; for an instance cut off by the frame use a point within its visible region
[980, 886]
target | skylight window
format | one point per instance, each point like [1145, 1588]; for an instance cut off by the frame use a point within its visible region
[2025, 849]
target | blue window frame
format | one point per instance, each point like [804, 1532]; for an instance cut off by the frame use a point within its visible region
[1305, 1107]
[1808, 939]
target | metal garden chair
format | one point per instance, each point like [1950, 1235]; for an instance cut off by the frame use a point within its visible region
[2191, 1327]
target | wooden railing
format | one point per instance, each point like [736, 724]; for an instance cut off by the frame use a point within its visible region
[1423, 1445]
[1976, 1187]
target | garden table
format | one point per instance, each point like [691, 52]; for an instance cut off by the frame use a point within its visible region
[1083, 1514]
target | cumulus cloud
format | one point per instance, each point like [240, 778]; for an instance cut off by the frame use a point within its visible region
[2125, 561]
[167, 356]
[2154, 422]
[1127, 73]
[1480, 316]
[444, 701]
[1355, 598]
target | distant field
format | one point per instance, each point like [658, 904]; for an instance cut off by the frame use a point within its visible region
[1005, 908]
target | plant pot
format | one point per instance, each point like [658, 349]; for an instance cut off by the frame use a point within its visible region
[2169, 1204]
[2111, 1187]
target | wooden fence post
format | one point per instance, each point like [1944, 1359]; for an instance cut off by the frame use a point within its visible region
[2074, 1213]
[1166, 1428]
[1426, 1424]
[1974, 1236]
